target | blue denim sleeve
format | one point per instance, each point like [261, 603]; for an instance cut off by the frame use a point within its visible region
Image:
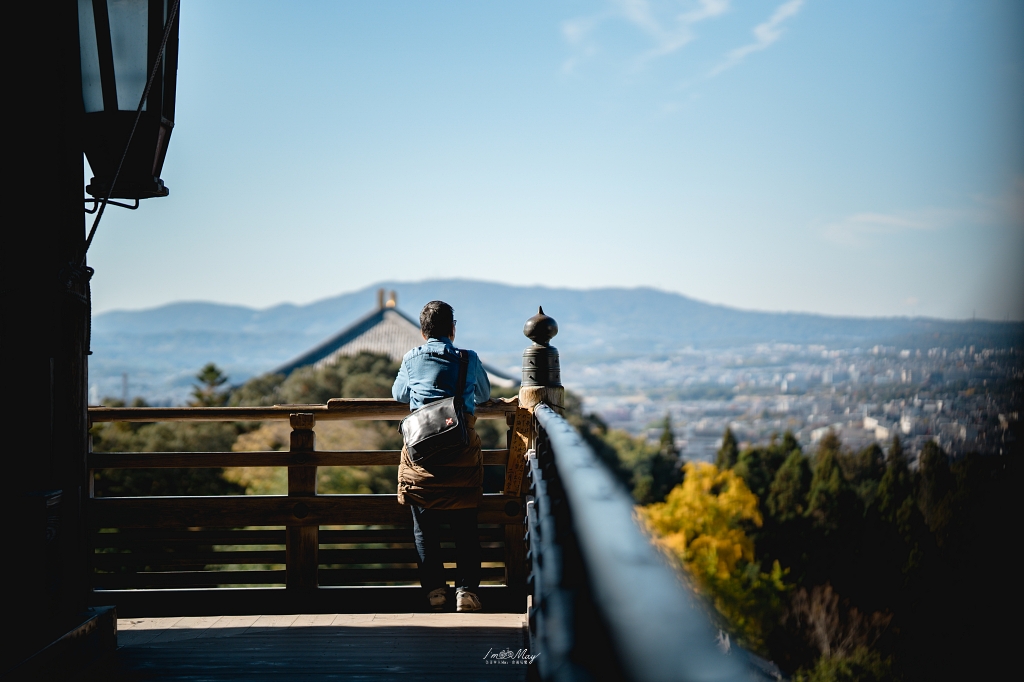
[400, 390]
[483, 384]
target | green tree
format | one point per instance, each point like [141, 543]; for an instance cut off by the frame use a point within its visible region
[937, 490]
[896, 492]
[208, 392]
[728, 452]
[828, 500]
[787, 494]
[864, 471]
[657, 471]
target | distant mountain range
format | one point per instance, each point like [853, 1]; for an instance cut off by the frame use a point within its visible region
[161, 348]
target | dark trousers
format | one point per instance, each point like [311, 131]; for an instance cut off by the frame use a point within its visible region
[426, 528]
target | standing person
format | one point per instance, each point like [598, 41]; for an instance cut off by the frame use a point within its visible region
[447, 492]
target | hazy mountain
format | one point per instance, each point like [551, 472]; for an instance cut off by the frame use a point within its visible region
[164, 346]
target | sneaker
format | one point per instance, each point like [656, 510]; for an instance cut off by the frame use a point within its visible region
[438, 598]
[466, 601]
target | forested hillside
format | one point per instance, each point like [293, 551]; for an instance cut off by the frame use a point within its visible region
[851, 566]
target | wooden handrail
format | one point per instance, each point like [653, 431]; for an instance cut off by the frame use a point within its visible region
[275, 510]
[263, 458]
[183, 562]
[335, 409]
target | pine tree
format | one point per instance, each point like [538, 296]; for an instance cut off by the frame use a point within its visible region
[209, 393]
[787, 495]
[826, 498]
[938, 487]
[729, 452]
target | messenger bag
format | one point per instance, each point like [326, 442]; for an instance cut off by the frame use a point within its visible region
[436, 432]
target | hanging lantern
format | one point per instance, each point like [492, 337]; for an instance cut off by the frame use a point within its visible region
[120, 42]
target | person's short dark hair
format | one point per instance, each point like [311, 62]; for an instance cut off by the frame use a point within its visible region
[437, 319]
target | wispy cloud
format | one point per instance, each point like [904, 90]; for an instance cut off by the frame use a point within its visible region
[765, 35]
[667, 29]
[858, 229]
[870, 229]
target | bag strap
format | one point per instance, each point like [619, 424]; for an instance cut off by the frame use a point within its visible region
[460, 390]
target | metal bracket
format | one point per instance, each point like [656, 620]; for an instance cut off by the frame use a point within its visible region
[96, 205]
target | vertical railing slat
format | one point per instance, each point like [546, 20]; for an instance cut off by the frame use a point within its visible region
[302, 541]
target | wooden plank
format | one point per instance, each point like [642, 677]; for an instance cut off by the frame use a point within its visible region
[151, 579]
[130, 538]
[522, 434]
[396, 535]
[149, 538]
[273, 510]
[271, 458]
[230, 601]
[327, 577]
[335, 409]
[302, 542]
[404, 555]
[514, 556]
[110, 561]
[357, 576]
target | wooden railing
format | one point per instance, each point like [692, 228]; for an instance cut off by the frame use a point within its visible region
[180, 555]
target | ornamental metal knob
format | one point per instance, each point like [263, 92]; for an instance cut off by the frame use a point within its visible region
[541, 366]
[540, 328]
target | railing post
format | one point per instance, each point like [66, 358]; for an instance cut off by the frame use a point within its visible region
[520, 433]
[303, 541]
[542, 373]
[542, 384]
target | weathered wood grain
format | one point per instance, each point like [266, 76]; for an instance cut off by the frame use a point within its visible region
[142, 539]
[361, 576]
[396, 535]
[407, 555]
[335, 409]
[302, 543]
[522, 434]
[322, 458]
[173, 579]
[273, 510]
[276, 600]
[112, 561]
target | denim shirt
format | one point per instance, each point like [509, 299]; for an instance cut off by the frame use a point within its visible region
[431, 372]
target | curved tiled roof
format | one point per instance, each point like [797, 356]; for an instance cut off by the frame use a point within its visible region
[386, 331]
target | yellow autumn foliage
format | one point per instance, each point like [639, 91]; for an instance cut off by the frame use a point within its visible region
[700, 520]
[701, 523]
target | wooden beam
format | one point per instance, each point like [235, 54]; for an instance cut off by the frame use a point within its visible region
[357, 576]
[276, 600]
[184, 556]
[274, 510]
[521, 436]
[151, 579]
[270, 458]
[302, 542]
[335, 409]
[399, 555]
[149, 538]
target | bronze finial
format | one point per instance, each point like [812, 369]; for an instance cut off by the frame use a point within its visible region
[540, 328]
[541, 366]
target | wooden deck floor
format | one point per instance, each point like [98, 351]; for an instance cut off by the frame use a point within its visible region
[406, 646]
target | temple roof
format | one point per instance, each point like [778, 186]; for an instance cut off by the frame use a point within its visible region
[385, 331]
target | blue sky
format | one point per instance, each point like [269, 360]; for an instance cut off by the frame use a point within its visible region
[849, 158]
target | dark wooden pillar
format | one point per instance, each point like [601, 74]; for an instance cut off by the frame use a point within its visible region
[520, 435]
[303, 541]
[45, 322]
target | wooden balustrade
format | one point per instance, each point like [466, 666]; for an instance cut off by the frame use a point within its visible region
[144, 546]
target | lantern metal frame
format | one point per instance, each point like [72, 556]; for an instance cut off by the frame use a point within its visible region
[120, 140]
